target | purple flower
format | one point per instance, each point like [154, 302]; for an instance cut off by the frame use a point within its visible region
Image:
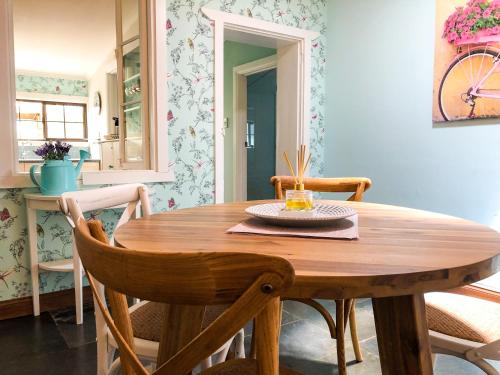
[53, 151]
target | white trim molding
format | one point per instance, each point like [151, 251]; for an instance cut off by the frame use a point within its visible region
[227, 21]
[161, 168]
[21, 95]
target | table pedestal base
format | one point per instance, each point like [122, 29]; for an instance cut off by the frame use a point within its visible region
[402, 335]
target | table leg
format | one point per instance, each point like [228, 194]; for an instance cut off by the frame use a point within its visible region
[33, 244]
[267, 338]
[402, 335]
[181, 324]
[77, 275]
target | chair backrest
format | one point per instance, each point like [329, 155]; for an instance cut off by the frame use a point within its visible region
[128, 196]
[248, 281]
[355, 185]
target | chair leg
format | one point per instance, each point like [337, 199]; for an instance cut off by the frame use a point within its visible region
[354, 333]
[206, 363]
[239, 344]
[322, 310]
[253, 350]
[339, 312]
[115, 365]
[78, 275]
[103, 351]
[486, 367]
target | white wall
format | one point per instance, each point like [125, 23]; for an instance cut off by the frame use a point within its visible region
[379, 120]
[99, 124]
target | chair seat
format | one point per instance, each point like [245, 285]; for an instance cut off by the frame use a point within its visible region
[147, 319]
[242, 367]
[463, 317]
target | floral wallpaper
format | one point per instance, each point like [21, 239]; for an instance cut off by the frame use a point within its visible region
[190, 119]
[49, 85]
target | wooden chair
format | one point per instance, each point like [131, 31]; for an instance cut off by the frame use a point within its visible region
[465, 323]
[251, 283]
[145, 316]
[344, 308]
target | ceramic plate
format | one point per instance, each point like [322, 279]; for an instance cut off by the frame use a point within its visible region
[324, 214]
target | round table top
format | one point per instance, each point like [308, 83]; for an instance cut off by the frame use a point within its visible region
[400, 251]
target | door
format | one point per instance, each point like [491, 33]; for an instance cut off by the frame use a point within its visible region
[261, 134]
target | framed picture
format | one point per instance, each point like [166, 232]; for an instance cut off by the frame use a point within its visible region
[467, 60]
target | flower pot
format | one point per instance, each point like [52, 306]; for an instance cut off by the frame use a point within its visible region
[58, 176]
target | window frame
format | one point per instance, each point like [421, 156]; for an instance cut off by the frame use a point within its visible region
[161, 168]
[44, 120]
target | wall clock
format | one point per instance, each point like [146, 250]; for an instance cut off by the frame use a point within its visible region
[98, 101]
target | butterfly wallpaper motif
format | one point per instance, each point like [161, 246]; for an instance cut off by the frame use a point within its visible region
[190, 119]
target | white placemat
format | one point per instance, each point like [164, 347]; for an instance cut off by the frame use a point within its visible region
[342, 229]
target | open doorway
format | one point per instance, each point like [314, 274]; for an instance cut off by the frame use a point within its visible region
[293, 75]
[292, 62]
[244, 134]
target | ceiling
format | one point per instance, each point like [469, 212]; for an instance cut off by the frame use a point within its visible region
[63, 37]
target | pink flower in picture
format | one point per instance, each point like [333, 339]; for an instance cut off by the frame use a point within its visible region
[169, 24]
[471, 24]
[170, 116]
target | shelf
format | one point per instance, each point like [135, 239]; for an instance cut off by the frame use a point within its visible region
[131, 78]
[132, 109]
[63, 265]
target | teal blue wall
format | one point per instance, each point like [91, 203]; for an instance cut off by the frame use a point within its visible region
[235, 54]
[261, 160]
[379, 114]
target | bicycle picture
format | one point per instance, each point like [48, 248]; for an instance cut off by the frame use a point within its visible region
[467, 67]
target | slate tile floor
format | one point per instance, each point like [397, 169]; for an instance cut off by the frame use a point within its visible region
[52, 344]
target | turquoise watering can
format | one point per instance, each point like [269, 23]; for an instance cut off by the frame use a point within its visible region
[58, 176]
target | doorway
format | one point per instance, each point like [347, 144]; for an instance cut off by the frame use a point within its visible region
[293, 62]
[260, 137]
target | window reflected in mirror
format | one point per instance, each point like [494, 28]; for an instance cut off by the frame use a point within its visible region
[83, 80]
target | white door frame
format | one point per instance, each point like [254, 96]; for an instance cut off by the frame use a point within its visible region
[240, 74]
[302, 38]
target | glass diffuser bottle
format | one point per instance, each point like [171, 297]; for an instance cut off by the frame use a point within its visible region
[299, 199]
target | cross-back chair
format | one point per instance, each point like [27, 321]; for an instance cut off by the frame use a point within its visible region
[251, 283]
[145, 316]
[345, 309]
[465, 323]
[96, 199]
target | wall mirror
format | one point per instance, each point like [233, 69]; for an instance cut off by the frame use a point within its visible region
[91, 73]
[82, 76]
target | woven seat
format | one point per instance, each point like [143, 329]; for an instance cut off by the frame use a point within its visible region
[242, 367]
[146, 319]
[463, 317]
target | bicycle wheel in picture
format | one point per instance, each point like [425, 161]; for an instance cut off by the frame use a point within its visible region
[467, 60]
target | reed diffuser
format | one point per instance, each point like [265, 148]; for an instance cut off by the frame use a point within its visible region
[299, 199]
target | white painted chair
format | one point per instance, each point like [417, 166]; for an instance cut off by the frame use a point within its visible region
[145, 316]
[466, 325]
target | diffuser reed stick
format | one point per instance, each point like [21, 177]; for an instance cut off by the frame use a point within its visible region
[302, 165]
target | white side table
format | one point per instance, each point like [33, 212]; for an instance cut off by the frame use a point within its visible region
[36, 202]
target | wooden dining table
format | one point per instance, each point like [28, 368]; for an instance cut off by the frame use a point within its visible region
[401, 253]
